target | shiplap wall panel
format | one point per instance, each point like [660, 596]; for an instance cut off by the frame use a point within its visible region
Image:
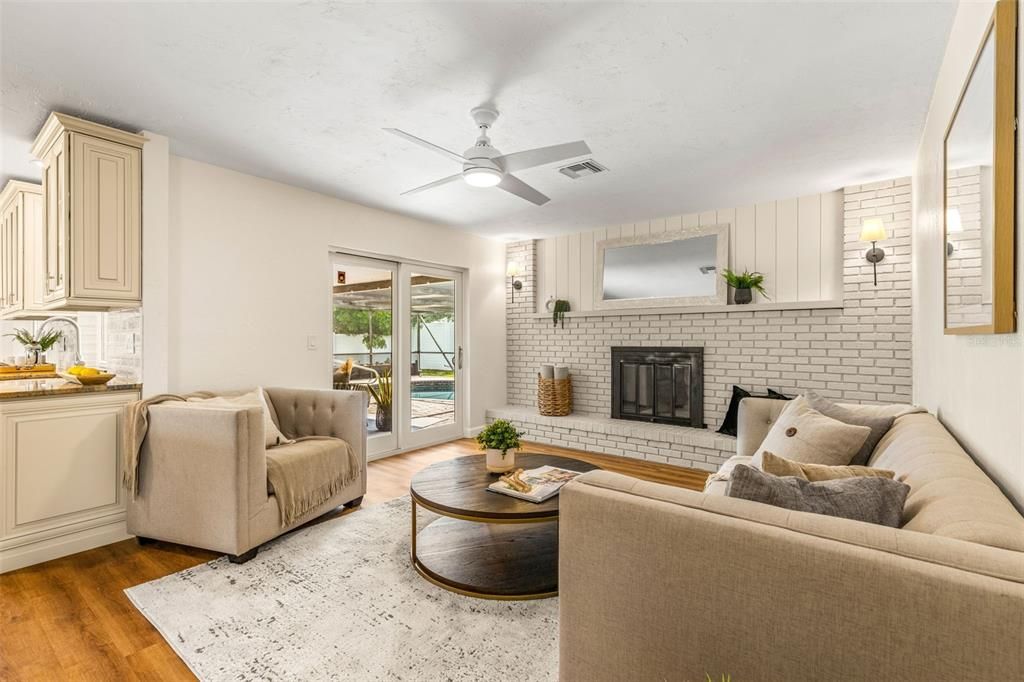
[809, 248]
[831, 242]
[796, 243]
[746, 236]
[764, 244]
[787, 244]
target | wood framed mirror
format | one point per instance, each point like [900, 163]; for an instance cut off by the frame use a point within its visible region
[668, 269]
[979, 187]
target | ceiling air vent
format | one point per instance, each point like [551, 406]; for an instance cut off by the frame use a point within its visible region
[582, 169]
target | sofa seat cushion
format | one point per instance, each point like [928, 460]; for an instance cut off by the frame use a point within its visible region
[950, 495]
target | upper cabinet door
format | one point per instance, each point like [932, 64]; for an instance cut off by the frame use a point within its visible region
[55, 219]
[106, 210]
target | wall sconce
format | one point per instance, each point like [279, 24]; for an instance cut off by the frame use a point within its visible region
[953, 226]
[873, 230]
[512, 271]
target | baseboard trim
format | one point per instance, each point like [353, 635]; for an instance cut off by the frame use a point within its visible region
[63, 545]
[473, 431]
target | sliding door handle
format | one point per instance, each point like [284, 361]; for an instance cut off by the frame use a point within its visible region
[459, 363]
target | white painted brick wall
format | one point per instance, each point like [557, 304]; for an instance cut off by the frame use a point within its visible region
[858, 353]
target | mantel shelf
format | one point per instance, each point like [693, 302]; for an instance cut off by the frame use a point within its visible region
[749, 308]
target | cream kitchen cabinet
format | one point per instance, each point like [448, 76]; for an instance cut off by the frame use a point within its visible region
[21, 231]
[60, 474]
[92, 215]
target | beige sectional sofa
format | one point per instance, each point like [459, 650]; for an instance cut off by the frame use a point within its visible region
[203, 472]
[661, 583]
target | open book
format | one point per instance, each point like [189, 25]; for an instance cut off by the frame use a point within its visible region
[544, 483]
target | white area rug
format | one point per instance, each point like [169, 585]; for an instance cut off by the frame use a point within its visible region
[341, 601]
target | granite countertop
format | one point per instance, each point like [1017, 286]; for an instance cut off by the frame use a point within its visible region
[43, 388]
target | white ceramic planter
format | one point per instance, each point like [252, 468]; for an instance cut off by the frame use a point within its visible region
[499, 463]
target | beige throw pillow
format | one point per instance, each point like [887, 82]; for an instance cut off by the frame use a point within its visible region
[780, 466]
[272, 435]
[803, 434]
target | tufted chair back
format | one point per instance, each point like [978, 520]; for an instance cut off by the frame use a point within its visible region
[303, 412]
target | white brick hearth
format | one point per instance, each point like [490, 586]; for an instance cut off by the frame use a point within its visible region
[696, 448]
[859, 352]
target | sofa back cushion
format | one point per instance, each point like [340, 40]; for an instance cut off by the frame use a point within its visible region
[949, 495]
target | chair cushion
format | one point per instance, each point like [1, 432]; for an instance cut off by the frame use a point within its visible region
[256, 398]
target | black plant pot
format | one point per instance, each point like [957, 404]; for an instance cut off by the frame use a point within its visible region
[383, 419]
[742, 296]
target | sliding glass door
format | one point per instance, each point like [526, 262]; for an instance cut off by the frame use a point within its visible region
[397, 335]
[363, 341]
[434, 326]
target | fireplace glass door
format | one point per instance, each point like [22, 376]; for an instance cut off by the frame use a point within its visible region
[658, 385]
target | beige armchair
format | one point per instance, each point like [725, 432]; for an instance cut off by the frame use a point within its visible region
[203, 472]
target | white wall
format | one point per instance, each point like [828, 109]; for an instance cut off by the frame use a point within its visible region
[974, 383]
[796, 243]
[248, 280]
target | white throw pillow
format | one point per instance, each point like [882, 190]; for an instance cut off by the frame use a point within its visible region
[272, 435]
[803, 434]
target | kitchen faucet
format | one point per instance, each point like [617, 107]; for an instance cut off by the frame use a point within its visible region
[78, 335]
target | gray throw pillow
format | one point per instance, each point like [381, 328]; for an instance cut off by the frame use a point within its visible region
[873, 500]
[879, 425]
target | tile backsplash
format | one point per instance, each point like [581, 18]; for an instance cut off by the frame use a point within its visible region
[110, 340]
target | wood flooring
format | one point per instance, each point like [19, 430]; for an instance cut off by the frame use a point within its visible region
[69, 619]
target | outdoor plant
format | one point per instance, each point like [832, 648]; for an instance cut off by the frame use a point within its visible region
[381, 390]
[747, 280]
[499, 435]
[44, 342]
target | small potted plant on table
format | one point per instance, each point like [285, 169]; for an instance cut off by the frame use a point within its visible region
[499, 440]
[744, 285]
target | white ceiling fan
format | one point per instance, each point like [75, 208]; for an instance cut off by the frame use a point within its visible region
[485, 166]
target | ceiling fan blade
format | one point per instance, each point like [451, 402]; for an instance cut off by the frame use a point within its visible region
[518, 161]
[435, 183]
[514, 185]
[427, 145]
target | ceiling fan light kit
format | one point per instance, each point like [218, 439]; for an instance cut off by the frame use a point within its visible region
[485, 166]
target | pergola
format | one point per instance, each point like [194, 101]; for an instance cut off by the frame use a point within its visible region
[428, 295]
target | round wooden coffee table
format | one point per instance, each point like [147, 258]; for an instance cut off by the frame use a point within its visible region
[486, 544]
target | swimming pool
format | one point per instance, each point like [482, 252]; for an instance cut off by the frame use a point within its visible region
[432, 394]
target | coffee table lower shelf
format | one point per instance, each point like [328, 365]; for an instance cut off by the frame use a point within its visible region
[489, 560]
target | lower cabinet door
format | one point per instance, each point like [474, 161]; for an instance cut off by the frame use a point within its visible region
[61, 466]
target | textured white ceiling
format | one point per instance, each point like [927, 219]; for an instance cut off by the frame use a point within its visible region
[691, 106]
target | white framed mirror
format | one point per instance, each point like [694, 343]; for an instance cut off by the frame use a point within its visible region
[669, 269]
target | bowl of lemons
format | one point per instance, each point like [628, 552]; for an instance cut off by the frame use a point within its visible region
[86, 376]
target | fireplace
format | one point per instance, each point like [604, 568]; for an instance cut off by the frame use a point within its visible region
[659, 385]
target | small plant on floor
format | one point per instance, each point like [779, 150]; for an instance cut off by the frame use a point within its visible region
[744, 284]
[499, 435]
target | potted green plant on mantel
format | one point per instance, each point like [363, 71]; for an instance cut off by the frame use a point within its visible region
[744, 285]
[499, 440]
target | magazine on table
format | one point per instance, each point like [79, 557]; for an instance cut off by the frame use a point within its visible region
[533, 485]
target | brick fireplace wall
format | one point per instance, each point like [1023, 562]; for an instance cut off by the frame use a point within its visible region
[857, 353]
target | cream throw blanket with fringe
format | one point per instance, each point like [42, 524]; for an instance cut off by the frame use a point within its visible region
[308, 472]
